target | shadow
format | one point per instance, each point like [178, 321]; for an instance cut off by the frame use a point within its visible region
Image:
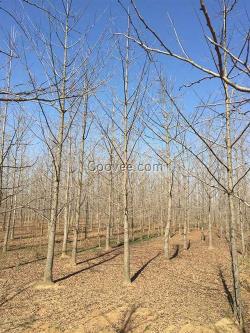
[86, 249]
[58, 254]
[127, 320]
[24, 325]
[31, 246]
[188, 245]
[12, 295]
[20, 237]
[22, 263]
[124, 325]
[226, 290]
[86, 268]
[96, 257]
[135, 276]
[34, 246]
[176, 252]
[118, 245]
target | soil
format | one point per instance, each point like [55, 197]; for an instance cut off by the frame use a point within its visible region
[192, 288]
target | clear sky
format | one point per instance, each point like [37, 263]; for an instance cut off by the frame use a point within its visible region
[109, 15]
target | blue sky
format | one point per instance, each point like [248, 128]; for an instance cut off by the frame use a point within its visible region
[109, 15]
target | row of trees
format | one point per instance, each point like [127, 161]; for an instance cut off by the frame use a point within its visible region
[93, 146]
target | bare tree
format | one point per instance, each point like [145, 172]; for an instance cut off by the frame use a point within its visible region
[219, 44]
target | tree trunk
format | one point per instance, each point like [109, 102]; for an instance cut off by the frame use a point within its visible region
[242, 230]
[80, 180]
[232, 220]
[48, 277]
[210, 237]
[66, 212]
[167, 228]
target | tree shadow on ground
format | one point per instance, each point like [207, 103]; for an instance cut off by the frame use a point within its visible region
[176, 252]
[6, 298]
[127, 320]
[135, 276]
[31, 246]
[96, 257]
[226, 289]
[126, 323]
[86, 268]
[130, 321]
[23, 263]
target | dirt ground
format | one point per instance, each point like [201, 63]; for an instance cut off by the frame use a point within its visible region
[193, 287]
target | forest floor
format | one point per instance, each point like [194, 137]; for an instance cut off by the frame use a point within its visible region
[193, 287]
